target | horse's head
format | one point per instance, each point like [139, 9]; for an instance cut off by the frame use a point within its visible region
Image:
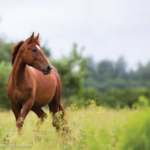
[33, 55]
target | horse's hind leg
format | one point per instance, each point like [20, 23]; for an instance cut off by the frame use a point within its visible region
[59, 115]
[41, 115]
[54, 108]
[59, 120]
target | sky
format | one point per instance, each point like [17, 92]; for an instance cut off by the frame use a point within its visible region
[107, 29]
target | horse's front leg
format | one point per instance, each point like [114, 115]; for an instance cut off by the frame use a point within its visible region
[26, 108]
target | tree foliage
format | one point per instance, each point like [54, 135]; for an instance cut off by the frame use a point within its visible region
[5, 50]
[5, 69]
[72, 71]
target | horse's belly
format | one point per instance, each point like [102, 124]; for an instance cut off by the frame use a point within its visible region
[46, 89]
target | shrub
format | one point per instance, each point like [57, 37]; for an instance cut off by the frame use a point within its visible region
[5, 69]
[137, 132]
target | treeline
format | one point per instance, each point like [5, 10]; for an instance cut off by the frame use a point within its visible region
[107, 82]
[108, 74]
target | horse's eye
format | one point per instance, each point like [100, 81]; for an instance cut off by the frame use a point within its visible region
[34, 50]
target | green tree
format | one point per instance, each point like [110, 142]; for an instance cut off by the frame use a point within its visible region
[72, 71]
[46, 51]
[5, 69]
[120, 68]
[5, 50]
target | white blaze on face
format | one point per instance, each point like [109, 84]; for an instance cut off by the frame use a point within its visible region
[37, 47]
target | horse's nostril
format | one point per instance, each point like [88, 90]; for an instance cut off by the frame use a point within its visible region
[48, 68]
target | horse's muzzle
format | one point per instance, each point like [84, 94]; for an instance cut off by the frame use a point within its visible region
[47, 70]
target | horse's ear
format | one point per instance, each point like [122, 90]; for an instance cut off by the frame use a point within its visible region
[37, 37]
[31, 38]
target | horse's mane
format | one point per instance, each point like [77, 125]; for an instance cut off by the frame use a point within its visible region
[17, 47]
[15, 51]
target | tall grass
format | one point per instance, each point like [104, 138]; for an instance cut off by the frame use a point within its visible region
[94, 128]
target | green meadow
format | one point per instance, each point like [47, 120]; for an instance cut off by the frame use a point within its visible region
[93, 128]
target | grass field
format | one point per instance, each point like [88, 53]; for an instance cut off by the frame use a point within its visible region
[94, 128]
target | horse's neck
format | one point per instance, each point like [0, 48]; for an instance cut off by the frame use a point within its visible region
[18, 71]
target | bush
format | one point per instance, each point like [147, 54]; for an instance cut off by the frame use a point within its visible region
[142, 102]
[121, 98]
[5, 69]
[137, 132]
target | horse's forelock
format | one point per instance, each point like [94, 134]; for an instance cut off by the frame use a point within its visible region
[15, 51]
[36, 41]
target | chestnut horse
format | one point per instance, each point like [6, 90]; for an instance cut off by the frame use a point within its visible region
[31, 88]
